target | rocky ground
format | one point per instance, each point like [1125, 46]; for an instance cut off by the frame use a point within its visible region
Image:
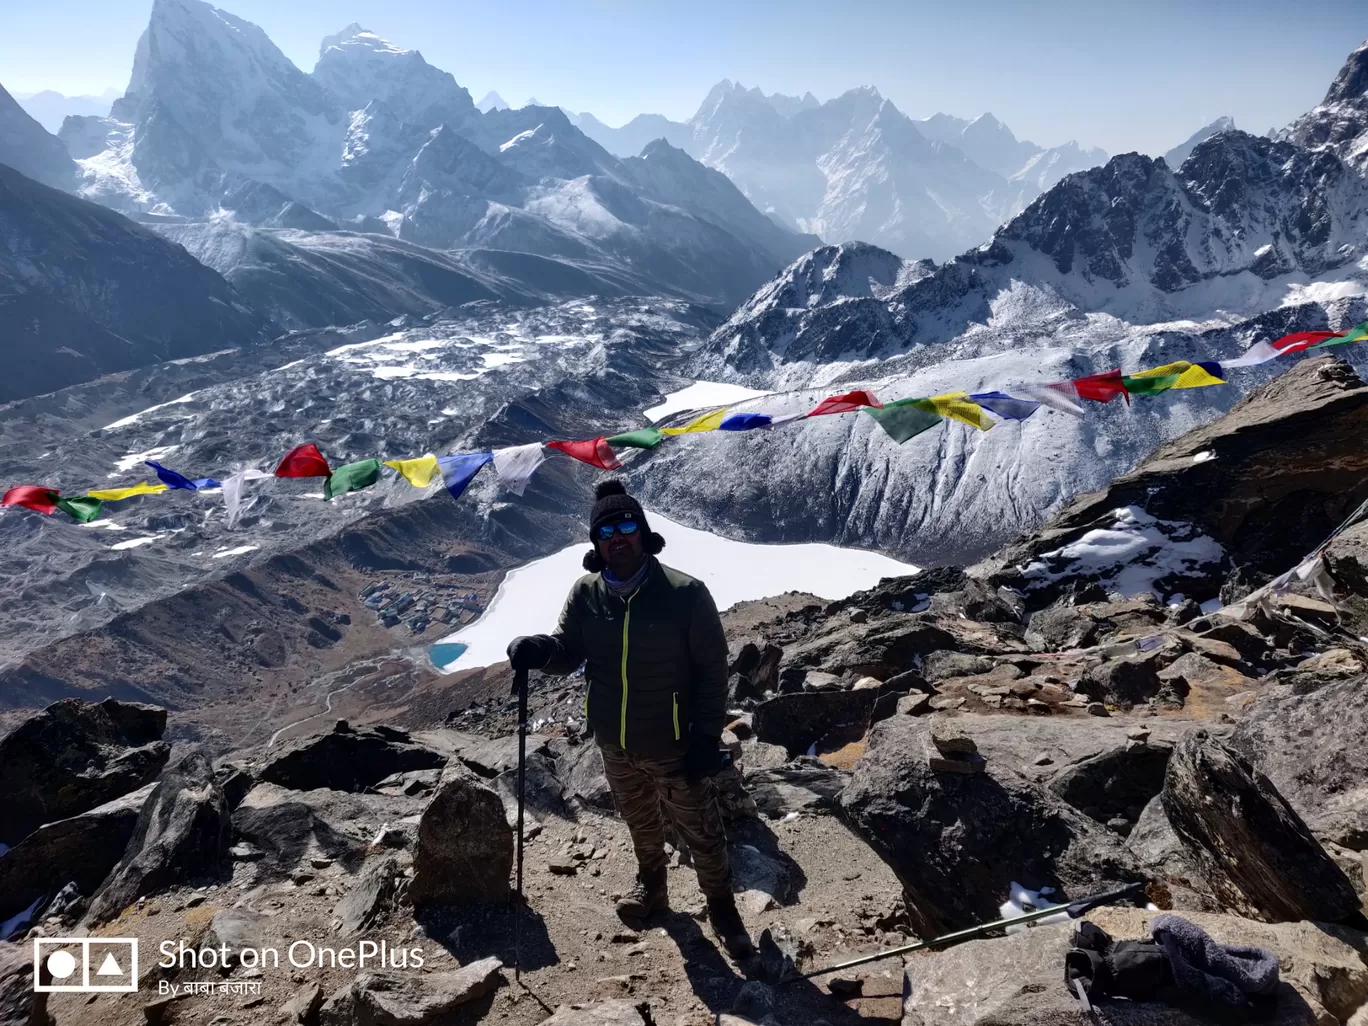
[1091, 707]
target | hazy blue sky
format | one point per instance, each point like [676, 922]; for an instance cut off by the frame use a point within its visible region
[1120, 75]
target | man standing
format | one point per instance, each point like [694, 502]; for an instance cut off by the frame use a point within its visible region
[655, 667]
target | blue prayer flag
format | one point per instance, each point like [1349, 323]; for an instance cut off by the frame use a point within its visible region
[745, 422]
[1005, 406]
[459, 470]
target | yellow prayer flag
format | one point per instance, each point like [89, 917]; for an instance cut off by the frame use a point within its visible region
[957, 406]
[115, 494]
[1175, 369]
[707, 422]
[1198, 376]
[419, 472]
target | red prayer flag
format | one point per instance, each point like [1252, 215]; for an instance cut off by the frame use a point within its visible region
[1300, 340]
[595, 451]
[304, 461]
[33, 497]
[1102, 388]
[847, 403]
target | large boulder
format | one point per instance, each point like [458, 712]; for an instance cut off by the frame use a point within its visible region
[1121, 682]
[581, 766]
[289, 827]
[182, 835]
[1312, 746]
[796, 722]
[1043, 749]
[370, 896]
[1262, 858]
[617, 1012]
[346, 758]
[1165, 858]
[73, 756]
[958, 841]
[1019, 979]
[409, 999]
[81, 850]
[465, 846]
[805, 785]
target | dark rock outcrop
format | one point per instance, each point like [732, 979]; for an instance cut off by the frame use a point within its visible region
[796, 722]
[582, 770]
[1287, 466]
[80, 850]
[1123, 682]
[1313, 746]
[805, 785]
[74, 756]
[370, 896]
[465, 847]
[1261, 855]
[290, 827]
[1115, 784]
[957, 841]
[182, 835]
[346, 759]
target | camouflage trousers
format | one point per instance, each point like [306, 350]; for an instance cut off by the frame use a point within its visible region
[647, 790]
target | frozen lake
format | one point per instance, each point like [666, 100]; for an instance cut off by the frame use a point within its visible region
[531, 596]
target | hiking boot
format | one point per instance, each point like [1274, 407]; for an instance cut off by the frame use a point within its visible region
[649, 894]
[727, 924]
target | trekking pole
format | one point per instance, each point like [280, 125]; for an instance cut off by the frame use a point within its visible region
[520, 685]
[1074, 910]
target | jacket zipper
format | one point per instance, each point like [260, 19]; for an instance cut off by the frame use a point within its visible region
[626, 622]
[674, 708]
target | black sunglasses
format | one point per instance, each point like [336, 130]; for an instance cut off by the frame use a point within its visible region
[624, 527]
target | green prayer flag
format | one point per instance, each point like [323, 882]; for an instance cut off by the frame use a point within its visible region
[1149, 386]
[643, 438]
[351, 477]
[82, 508]
[905, 418]
[1358, 333]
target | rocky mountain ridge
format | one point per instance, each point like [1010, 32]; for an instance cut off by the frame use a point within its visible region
[218, 125]
[856, 168]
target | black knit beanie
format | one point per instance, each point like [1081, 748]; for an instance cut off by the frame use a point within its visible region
[610, 502]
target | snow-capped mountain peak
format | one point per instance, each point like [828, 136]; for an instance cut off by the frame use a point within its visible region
[1174, 158]
[259, 114]
[357, 66]
[491, 101]
[1339, 123]
[1351, 84]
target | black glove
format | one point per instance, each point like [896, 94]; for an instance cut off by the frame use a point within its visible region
[703, 759]
[531, 653]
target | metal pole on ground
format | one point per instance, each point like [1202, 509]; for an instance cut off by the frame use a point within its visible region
[520, 685]
[1074, 910]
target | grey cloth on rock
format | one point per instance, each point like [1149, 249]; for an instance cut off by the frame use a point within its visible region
[1227, 973]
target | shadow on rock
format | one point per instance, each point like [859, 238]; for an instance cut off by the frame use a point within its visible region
[473, 932]
[763, 874]
[711, 977]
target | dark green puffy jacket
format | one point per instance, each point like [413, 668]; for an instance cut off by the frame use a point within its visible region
[654, 662]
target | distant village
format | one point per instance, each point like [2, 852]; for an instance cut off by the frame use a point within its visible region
[435, 603]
